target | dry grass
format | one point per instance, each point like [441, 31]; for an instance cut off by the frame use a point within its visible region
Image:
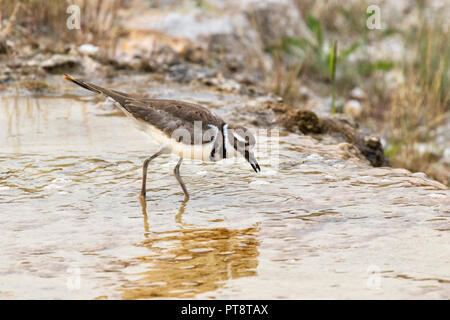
[48, 18]
[35, 14]
[284, 81]
[422, 102]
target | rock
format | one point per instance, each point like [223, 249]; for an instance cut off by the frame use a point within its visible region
[446, 156]
[304, 120]
[231, 52]
[440, 171]
[354, 108]
[275, 20]
[234, 38]
[267, 114]
[340, 128]
[165, 56]
[306, 93]
[153, 48]
[36, 61]
[372, 141]
[5, 78]
[348, 150]
[369, 145]
[4, 48]
[90, 65]
[220, 82]
[187, 72]
[59, 63]
[394, 78]
[35, 86]
[358, 94]
[88, 49]
[5, 74]
[188, 25]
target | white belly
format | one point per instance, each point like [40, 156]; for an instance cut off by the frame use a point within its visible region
[187, 151]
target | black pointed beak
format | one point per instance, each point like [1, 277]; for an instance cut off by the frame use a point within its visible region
[251, 159]
[256, 167]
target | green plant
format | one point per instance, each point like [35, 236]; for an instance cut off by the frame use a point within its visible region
[296, 56]
[332, 64]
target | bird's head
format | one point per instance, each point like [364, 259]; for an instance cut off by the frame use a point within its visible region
[239, 139]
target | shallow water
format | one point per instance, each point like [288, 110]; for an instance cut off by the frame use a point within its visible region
[317, 223]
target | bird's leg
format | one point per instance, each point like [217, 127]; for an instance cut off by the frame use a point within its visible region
[176, 171]
[144, 172]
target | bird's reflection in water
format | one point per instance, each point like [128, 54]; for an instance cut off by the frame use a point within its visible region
[189, 260]
[178, 216]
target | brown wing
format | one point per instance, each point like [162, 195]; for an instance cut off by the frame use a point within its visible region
[171, 115]
[165, 115]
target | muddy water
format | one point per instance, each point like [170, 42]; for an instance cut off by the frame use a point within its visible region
[316, 224]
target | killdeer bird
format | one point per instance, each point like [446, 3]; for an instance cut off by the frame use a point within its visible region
[181, 128]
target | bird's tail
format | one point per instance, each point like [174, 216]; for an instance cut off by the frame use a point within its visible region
[116, 95]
